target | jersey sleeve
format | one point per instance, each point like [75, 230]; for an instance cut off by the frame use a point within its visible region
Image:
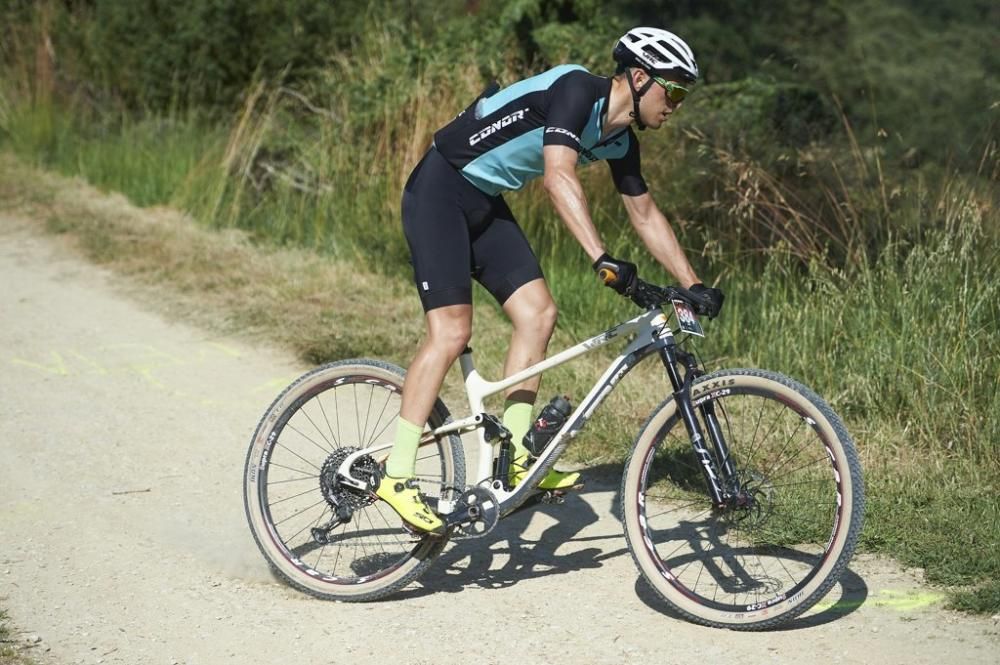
[572, 98]
[626, 171]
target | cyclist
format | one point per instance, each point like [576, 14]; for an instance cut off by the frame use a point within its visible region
[458, 226]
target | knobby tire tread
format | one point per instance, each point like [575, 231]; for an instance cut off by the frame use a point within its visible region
[857, 503]
[434, 546]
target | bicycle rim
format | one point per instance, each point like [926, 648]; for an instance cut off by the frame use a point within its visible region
[783, 540]
[312, 426]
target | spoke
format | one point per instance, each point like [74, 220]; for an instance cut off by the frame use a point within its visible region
[316, 427]
[294, 496]
[376, 435]
[756, 428]
[682, 543]
[798, 483]
[291, 480]
[674, 510]
[357, 413]
[300, 512]
[326, 418]
[821, 459]
[299, 456]
[375, 531]
[358, 541]
[288, 541]
[781, 453]
[697, 580]
[363, 443]
[282, 466]
[791, 577]
[340, 548]
[326, 451]
[336, 414]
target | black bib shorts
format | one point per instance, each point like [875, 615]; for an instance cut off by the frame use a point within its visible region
[457, 232]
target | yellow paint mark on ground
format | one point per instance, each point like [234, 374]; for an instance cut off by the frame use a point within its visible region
[97, 367]
[893, 599]
[57, 367]
[275, 385]
[229, 351]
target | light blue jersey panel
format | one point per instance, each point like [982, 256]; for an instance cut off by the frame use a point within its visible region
[521, 88]
[509, 166]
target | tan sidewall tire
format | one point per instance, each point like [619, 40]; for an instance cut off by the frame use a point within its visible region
[423, 552]
[847, 528]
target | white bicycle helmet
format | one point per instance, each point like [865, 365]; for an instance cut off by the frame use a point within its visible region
[657, 51]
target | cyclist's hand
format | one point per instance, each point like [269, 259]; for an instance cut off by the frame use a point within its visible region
[619, 275]
[709, 300]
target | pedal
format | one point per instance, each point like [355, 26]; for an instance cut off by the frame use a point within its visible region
[556, 497]
[553, 497]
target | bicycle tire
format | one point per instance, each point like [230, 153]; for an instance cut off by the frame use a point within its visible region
[728, 568]
[326, 412]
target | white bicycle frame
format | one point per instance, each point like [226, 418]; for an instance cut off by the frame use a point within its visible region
[647, 329]
[650, 333]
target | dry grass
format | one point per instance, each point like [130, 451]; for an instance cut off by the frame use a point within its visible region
[319, 308]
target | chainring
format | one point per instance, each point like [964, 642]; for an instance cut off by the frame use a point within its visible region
[484, 513]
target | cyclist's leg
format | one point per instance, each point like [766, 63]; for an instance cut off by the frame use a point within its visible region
[448, 331]
[533, 314]
[438, 235]
[435, 203]
[506, 266]
[509, 270]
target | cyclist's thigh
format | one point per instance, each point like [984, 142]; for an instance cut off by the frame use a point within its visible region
[436, 230]
[502, 258]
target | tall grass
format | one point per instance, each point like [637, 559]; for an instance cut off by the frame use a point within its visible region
[880, 291]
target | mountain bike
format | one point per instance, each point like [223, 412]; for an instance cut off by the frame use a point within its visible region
[742, 498]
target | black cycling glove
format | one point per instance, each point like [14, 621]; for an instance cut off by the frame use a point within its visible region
[708, 300]
[619, 275]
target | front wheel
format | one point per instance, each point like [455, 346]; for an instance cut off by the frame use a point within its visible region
[792, 514]
[296, 506]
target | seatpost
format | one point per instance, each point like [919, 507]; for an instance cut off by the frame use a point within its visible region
[466, 363]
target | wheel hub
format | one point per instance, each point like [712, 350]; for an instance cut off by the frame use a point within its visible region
[752, 503]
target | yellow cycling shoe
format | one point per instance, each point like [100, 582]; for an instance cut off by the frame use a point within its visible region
[403, 496]
[554, 480]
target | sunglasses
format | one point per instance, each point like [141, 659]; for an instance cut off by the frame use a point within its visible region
[675, 91]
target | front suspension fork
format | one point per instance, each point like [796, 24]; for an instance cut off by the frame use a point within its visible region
[721, 464]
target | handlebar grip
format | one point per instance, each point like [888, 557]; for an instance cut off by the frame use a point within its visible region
[607, 275]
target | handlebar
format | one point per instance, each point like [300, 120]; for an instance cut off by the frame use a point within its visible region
[650, 296]
[607, 275]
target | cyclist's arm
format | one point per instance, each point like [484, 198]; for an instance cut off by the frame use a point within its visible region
[566, 193]
[658, 236]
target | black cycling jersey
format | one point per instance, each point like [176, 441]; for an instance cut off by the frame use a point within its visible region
[456, 223]
[497, 142]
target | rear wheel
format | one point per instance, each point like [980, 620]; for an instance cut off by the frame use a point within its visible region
[791, 519]
[295, 505]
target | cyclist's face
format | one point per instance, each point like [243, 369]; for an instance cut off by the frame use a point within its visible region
[656, 106]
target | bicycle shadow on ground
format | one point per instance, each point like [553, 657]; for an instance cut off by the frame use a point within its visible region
[516, 551]
[474, 563]
[852, 588]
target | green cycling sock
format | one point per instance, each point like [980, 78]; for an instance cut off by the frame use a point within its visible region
[517, 418]
[402, 460]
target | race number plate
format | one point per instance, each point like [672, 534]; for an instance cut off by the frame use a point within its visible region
[686, 319]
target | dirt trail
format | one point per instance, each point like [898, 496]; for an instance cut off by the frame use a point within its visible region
[123, 536]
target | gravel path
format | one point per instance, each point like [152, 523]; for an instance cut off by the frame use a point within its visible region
[124, 541]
